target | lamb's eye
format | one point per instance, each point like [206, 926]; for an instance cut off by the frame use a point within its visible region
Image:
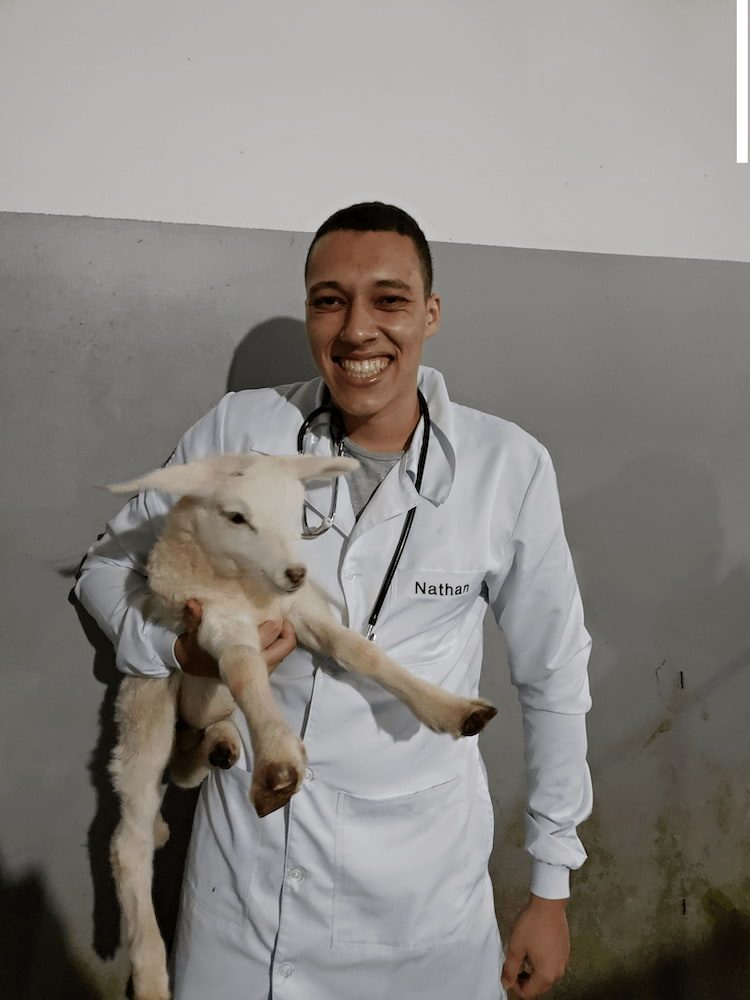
[236, 518]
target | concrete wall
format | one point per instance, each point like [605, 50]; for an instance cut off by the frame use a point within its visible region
[583, 125]
[117, 335]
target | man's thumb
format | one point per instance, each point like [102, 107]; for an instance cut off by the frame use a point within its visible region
[193, 613]
[511, 968]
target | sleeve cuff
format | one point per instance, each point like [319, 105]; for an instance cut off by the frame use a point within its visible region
[550, 881]
[161, 640]
[173, 661]
[164, 641]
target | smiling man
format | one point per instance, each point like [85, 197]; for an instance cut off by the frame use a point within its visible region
[373, 882]
[370, 309]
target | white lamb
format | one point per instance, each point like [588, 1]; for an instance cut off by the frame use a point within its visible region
[230, 544]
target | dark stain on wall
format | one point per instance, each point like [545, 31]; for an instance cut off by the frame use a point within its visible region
[715, 966]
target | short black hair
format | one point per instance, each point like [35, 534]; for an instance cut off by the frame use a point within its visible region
[377, 217]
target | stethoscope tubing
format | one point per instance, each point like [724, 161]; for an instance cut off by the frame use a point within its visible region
[327, 522]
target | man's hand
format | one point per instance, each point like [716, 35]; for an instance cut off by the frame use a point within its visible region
[538, 948]
[277, 640]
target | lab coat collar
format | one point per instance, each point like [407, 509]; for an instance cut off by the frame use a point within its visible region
[397, 493]
[440, 467]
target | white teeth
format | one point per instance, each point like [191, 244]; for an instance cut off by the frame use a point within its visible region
[363, 369]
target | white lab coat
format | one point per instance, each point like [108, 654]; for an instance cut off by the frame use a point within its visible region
[374, 882]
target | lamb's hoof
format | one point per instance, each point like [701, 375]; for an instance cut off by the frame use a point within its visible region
[273, 786]
[223, 755]
[482, 712]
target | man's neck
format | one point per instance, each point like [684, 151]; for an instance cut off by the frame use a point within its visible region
[388, 432]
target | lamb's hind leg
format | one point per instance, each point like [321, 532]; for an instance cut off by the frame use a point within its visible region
[145, 713]
[196, 751]
[438, 709]
[206, 736]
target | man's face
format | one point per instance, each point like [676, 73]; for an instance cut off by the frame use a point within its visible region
[367, 321]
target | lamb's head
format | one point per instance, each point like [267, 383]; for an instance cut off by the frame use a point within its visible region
[247, 508]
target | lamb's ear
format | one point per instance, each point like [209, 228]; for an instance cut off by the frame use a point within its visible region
[196, 479]
[314, 467]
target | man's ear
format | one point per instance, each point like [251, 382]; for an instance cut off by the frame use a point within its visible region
[432, 308]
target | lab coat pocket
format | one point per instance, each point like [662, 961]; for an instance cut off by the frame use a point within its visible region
[429, 613]
[223, 847]
[400, 878]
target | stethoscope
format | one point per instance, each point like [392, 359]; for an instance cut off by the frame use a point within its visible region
[337, 437]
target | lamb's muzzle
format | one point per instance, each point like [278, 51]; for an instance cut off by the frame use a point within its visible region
[296, 575]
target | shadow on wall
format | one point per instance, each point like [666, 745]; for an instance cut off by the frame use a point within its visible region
[272, 353]
[36, 960]
[105, 916]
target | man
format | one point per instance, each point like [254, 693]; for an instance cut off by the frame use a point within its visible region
[373, 882]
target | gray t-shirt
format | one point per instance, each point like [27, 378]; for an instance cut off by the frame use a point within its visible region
[373, 468]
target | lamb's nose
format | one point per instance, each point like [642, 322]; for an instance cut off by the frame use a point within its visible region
[296, 574]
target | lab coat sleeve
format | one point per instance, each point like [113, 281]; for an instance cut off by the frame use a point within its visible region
[538, 607]
[112, 584]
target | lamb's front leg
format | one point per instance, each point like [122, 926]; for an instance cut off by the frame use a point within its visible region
[440, 710]
[278, 754]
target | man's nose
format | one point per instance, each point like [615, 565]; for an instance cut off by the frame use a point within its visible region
[359, 324]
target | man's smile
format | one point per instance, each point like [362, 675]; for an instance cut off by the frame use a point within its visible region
[363, 369]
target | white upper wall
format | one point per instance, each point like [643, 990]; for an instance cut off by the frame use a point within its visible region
[600, 125]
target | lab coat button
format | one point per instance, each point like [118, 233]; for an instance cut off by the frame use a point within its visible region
[309, 774]
[296, 874]
[351, 574]
[286, 969]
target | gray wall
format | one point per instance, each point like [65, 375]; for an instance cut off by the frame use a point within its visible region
[633, 371]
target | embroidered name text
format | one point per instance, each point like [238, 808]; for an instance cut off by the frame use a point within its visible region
[440, 589]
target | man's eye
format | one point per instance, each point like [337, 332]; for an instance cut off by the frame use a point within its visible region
[326, 302]
[391, 300]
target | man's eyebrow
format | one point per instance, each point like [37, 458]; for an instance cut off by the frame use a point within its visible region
[380, 283]
[393, 283]
[325, 284]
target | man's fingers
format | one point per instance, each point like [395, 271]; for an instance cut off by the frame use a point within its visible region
[193, 613]
[534, 986]
[511, 969]
[281, 646]
[519, 975]
[269, 632]
[286, 642]
[288, 635]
